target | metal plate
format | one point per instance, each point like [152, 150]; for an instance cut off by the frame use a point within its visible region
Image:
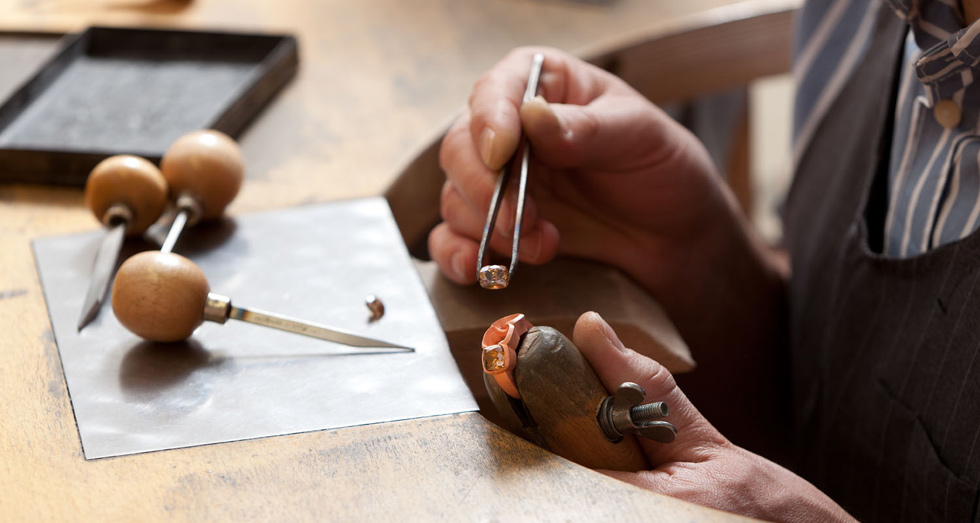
[239, 381]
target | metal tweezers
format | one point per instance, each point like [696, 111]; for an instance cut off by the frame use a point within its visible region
[498, 276]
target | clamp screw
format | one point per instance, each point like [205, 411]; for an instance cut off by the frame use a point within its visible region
[622, 414]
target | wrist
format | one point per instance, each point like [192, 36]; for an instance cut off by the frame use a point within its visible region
[724, 289]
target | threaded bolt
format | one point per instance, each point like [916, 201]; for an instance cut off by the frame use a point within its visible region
[649, 412]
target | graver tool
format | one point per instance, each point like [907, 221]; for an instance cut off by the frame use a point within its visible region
[204, 170]
[127, 194]
[162, 296]
[498, 276]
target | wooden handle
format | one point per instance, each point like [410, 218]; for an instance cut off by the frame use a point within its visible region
[160, 296]
[208, 167]
[131, 182]
[561, 394]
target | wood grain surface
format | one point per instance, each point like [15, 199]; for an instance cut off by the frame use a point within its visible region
[378, 81]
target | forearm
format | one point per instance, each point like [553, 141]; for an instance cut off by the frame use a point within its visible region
[726, 293]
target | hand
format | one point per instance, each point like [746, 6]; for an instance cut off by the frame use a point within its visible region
[701, 465]
[614, 178]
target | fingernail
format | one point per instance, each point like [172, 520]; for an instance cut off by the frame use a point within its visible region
[537, 114]
[486, 145]
[459, 266]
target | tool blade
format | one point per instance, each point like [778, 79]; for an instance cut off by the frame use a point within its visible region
[312, 329]
[105, 261]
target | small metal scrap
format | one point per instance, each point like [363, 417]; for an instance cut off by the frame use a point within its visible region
[498, 276]
[375, 306]
[622, 414]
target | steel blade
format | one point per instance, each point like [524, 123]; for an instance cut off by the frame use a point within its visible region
[105, 261]
[311, 329]
[177, 227]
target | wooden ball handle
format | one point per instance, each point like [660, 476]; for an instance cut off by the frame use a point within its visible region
[133, 188]
[561, 394]
[208, 167]
[160, 296]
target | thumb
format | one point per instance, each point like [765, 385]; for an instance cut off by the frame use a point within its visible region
[613, 132]
[616, 364]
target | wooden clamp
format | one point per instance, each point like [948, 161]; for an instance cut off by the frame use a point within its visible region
[560, 396]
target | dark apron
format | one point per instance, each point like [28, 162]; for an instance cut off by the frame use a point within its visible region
[885, 352]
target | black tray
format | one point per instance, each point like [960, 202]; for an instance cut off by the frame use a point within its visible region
[134, 91]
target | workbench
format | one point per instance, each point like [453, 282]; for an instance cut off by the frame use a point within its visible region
[378, 82]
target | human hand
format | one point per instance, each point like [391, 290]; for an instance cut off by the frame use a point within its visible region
[616, 180]
[701, 465]
[613, 179]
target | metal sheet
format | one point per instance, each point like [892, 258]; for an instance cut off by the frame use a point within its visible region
[239, 381]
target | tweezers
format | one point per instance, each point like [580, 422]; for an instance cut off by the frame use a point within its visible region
[498, 276]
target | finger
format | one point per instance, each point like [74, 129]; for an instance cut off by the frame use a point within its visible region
[454, 253]
[617, 131]
[474, 185]
[616, 364]
[460, 160]
[539, 238]
[495, 126]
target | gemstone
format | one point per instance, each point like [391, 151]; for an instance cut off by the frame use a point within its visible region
[494, 277]
[494, 358]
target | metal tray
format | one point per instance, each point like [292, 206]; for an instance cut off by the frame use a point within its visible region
[121, 90]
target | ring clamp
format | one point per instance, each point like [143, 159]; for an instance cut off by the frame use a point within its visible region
[500, 344]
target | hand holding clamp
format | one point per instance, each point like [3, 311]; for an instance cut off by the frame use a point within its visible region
[548, 393]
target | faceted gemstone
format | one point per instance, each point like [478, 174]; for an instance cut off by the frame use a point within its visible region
[494, 358]
[494, 277]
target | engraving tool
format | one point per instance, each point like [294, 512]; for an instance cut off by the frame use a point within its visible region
[204, 170]
[127, 194]
[162, 296]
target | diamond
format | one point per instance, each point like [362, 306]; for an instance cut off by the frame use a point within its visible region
[494, 277]
[494, 359]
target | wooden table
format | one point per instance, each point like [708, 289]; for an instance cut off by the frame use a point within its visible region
[378, 81]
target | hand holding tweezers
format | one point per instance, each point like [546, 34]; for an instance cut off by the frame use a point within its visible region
[498, 276]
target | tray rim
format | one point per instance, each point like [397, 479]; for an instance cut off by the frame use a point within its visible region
[51, 166]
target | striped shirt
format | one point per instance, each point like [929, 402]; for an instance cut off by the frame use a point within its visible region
[934, 173]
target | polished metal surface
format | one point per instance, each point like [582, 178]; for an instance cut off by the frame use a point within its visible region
[188, 215]
[482, 268]
[239, 381]
[177, 227]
